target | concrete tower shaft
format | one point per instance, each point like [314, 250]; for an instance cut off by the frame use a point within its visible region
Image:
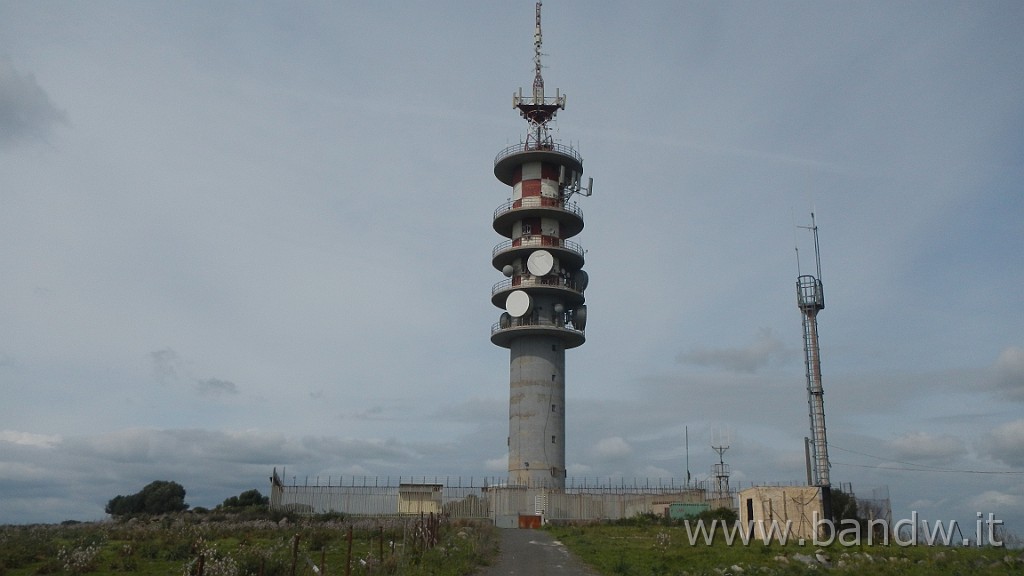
[542, 297]
[536, 413]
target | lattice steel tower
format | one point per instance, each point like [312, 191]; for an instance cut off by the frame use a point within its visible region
[542, 297]
[811, 300]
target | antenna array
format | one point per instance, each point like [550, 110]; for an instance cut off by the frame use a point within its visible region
[538, 109]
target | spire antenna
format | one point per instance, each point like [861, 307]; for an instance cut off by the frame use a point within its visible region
[538, 80]
[538, 109]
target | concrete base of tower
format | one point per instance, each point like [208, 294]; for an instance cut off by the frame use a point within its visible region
[536, 441]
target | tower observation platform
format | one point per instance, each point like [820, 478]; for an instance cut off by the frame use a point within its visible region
[542, 298]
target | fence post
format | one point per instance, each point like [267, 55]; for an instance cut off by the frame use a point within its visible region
[295, 554]
[348, 560]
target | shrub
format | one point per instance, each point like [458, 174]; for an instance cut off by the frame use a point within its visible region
[158, 497]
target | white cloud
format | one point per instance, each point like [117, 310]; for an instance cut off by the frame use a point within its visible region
[927, 447]
[22, 472]
[926, 504]
[497, 465]
[1006, 443]
[612, 448]
[579, 470]
[122, 446]
[997, 502]
[656, 472]
[29, 439]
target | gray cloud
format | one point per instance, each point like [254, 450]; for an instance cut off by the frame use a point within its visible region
[1009, 373]
[26, 111]
[216, 386]
[211, 464]
[763, 351]
[165, 365]
[169, 369]
[1006, 444]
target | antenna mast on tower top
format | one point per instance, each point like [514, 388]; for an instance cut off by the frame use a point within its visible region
[539, 109]
[538, 80]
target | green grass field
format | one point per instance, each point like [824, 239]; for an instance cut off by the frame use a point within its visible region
[252, 544]
[220, 545]
[664, 550]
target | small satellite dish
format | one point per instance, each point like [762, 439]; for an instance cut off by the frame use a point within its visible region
[507, 270]
[505, 321]
[582, 280]
[518, 304]
[540, 263]
[579, 317]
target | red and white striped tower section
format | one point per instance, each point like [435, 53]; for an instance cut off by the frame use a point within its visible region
[542, 297]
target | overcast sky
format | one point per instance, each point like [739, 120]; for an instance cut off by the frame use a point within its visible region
[241, 235]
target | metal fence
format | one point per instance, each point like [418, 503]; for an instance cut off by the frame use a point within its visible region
[493, 499]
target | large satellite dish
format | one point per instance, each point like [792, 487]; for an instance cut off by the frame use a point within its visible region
[518, 304]
[540, 263]
[582, 280]
[579, 318]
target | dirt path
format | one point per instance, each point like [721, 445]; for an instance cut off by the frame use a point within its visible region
[534, 553]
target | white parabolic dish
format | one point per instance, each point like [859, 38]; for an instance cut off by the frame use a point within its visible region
[518, 304]
[540, 262]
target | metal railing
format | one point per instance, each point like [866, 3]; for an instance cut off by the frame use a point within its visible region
[809, 294]
[534, 147]
[533, 281]
[537, 241]
[530, 322]
[538, 202]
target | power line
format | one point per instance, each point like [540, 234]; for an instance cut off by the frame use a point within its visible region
[917, 467]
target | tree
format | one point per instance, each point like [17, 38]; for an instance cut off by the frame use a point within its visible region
[844, 506]
[246, 499]
[157, 497]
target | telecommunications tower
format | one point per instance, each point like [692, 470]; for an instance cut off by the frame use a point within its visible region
[811, 300]
[721, 473]
[542, 297]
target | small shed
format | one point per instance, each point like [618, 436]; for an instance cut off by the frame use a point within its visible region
[781, 512]
[683, 510]
[420, 498]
